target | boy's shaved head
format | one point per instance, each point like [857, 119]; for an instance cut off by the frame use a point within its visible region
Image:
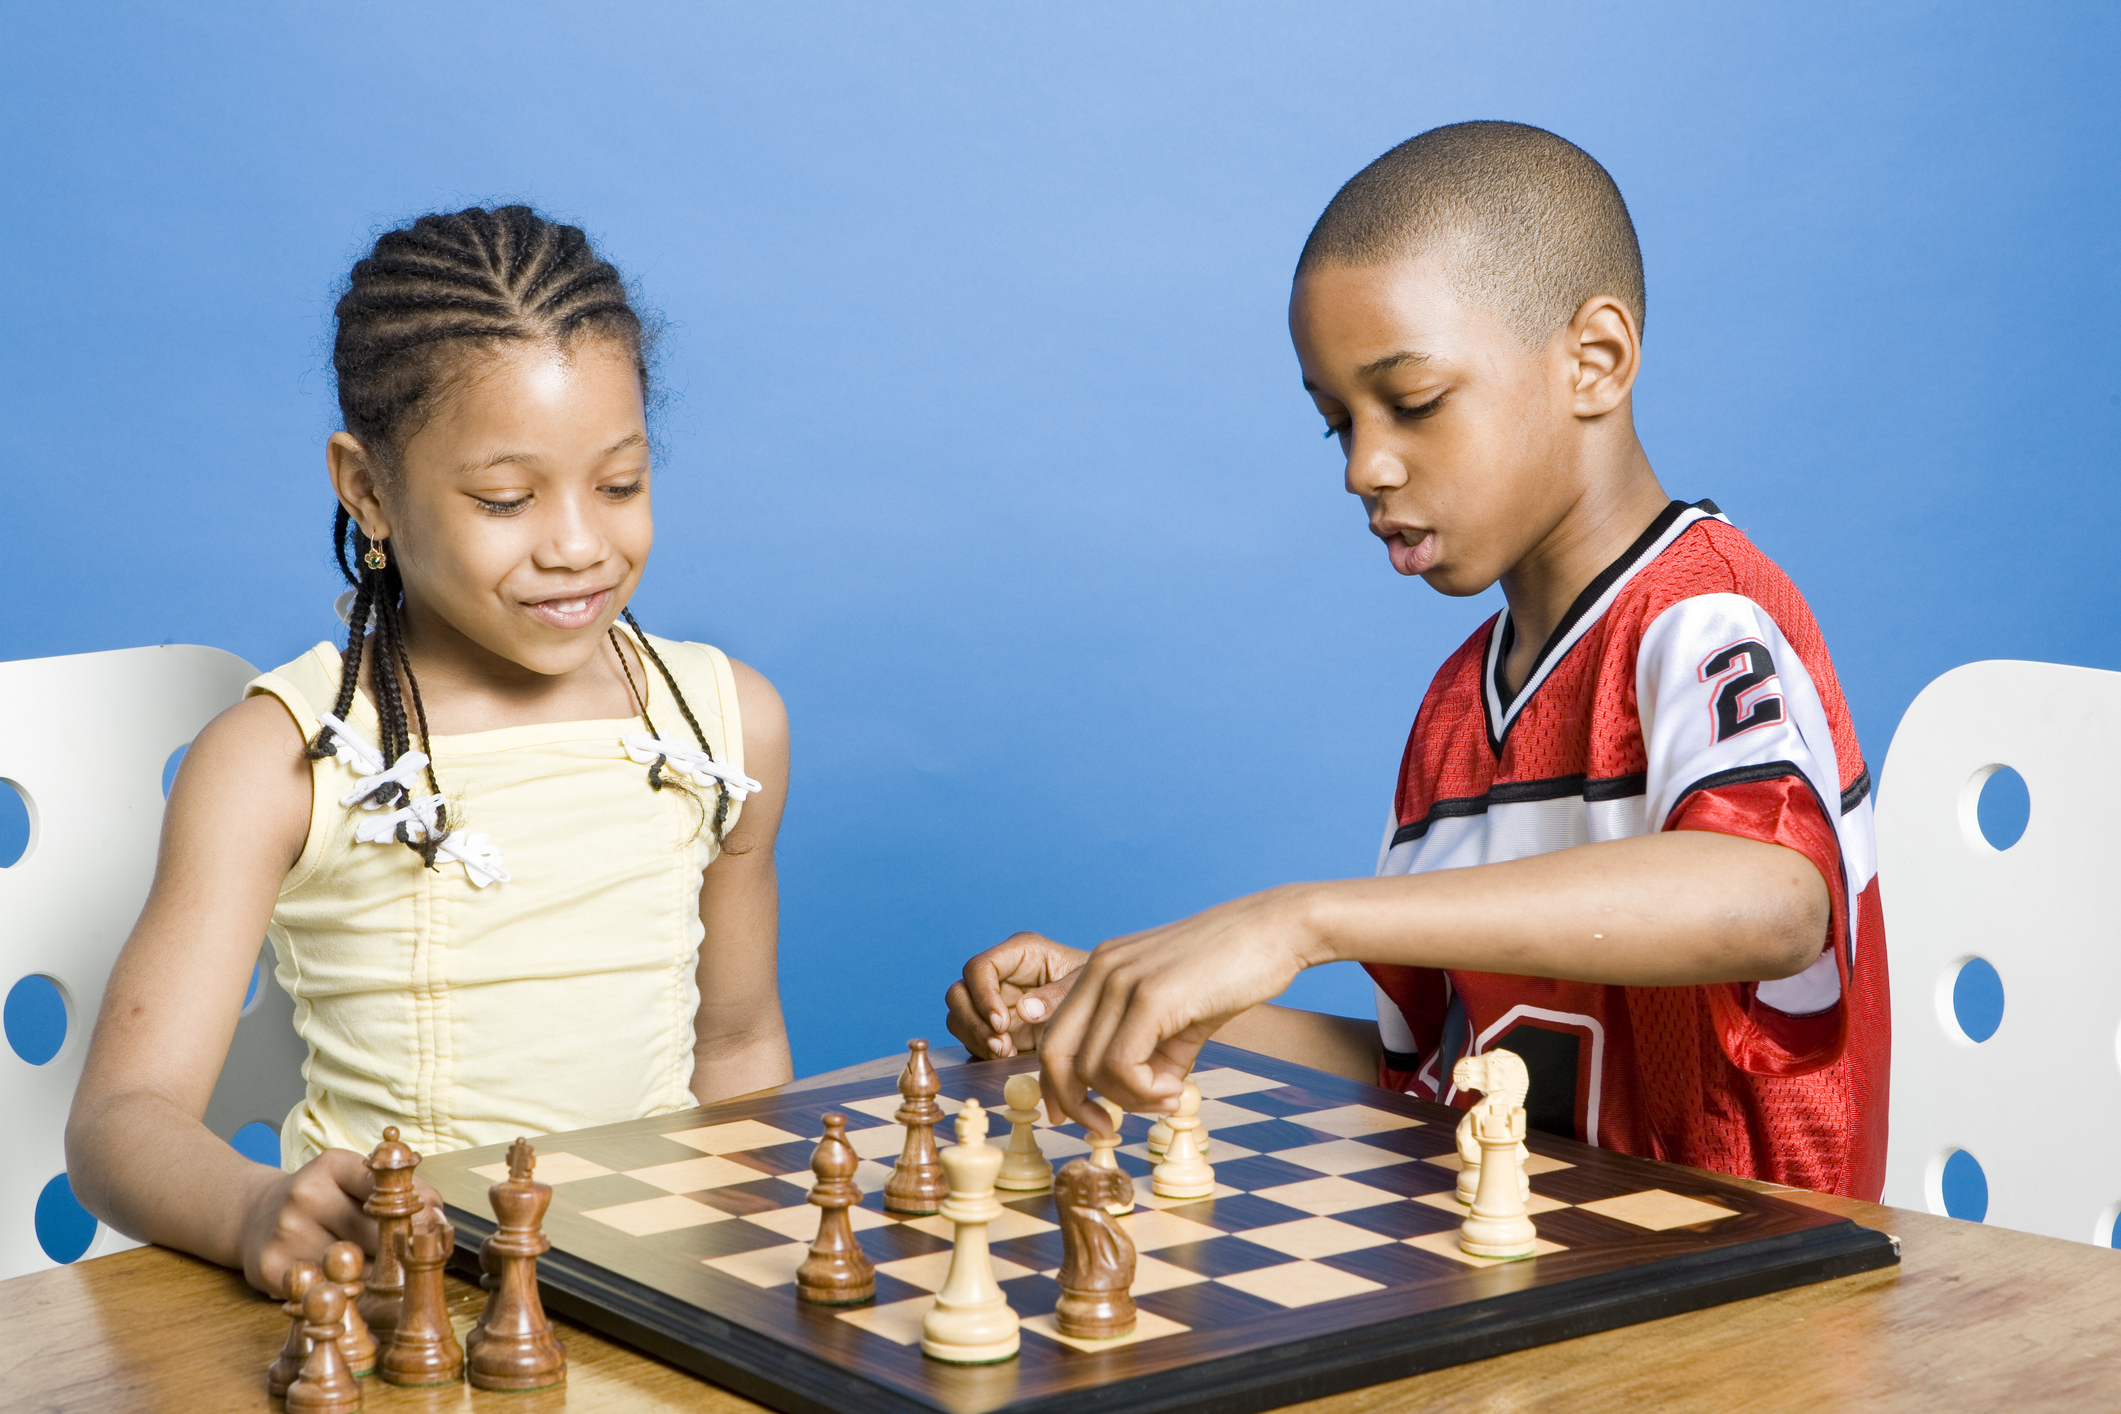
[1528, 225]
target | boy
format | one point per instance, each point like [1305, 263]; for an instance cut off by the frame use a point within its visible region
[1632, 838]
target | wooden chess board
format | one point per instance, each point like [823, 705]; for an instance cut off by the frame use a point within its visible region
[1327, 1258]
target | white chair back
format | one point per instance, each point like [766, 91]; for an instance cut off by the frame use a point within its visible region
[84, 740]
[2034, 1110]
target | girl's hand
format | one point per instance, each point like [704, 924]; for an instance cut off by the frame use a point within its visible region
[1142, 1007]
[1009, 993]
[293, 1217]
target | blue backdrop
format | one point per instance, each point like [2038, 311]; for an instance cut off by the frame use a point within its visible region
[984, 438]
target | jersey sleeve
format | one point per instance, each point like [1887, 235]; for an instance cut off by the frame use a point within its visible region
[1738, 742]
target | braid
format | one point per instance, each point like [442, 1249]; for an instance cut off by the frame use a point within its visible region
[356, 632]
[721, 788]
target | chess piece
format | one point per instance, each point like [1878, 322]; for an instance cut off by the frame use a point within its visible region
[424, 1350]
[837, 1272]
[971, 1323]
[1104, 1153]
[917, 1186]
[343, 1262]
[1498, 1225]
[1160, 1135]
[489, 1278]
[517, 1349]
[1097, 1266]
[285, 1370]
[325, 1385]
[392, 1206]
[1024, 1168]
[1184, 1173]
[1501, 1076]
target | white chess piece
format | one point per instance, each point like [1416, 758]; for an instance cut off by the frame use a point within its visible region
[1501, 1076]
[1160, 1135]
[1184, 1173]
[1024, 1168]
[971, 1323]
[1498, 1225]
[1104, 1150]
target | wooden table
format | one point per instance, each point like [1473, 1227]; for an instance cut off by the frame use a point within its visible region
[1975, 1318]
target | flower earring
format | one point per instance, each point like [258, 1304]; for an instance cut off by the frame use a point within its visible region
[374, 557]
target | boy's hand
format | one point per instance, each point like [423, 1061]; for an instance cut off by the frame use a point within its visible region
[1141, 1008]
[293, 1217]
[1009, 994]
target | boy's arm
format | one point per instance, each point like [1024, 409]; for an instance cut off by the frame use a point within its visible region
[1677, 908]
[989, 1012]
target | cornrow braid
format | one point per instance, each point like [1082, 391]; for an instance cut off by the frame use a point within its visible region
[414, 314]
[655, 770]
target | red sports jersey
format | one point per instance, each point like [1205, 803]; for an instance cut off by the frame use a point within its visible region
[1687, 688]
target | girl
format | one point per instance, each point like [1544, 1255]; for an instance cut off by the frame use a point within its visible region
[515, 856]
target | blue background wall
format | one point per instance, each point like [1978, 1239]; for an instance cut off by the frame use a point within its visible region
[985, 441]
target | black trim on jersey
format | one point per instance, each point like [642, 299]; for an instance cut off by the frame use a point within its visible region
[1406, 1061]
[1499, 652]
[1518, 792]
[1858, 789]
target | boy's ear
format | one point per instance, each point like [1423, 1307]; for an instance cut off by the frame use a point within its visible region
[1606, 353]
[353, 477]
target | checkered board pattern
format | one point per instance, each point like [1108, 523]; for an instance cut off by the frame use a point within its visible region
[1333, 1208]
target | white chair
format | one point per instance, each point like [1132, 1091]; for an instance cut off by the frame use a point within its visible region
[2038, 1103]
[84, 741]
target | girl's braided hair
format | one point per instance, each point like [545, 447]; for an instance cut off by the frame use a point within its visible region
[426, 298]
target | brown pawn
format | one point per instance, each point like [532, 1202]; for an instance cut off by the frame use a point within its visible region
[516, 1347]
[326, 1386]
[917, 1183]
[342, 1263]
[392, 1206]
[424, 1350]
[1097, 1262]
[837, 1272]
[285, 1370]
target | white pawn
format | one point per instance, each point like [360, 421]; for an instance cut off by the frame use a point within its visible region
[1184, 1173]
[971, 1323]
[1104, 1150]
[1160, 1136]
[1024, 1168]
[1498, 1226]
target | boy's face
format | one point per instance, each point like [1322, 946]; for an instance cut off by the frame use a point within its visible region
[1461, 441]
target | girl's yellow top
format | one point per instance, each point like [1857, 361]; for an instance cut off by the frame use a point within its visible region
[541, 978]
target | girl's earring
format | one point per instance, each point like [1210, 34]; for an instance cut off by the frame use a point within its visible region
[374, 558]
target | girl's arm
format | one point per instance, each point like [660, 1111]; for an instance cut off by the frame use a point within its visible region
[740, 1043]
[136, 1152]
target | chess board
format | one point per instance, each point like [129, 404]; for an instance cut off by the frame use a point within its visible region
[1326, 1259]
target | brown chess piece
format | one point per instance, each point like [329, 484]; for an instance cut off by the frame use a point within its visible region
[325, 1385]
[392, 1206]
[837, 1272]
[489, 1278]
[516, 1347]
[343, 1262]
[917, 1184]
[424, 1350]
[1097, 1262]
[285, 1370]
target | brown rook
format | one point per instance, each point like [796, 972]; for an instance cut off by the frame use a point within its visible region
[424, 1350]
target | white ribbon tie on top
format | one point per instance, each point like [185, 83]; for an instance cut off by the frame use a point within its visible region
[702, 769]
[479, 855]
